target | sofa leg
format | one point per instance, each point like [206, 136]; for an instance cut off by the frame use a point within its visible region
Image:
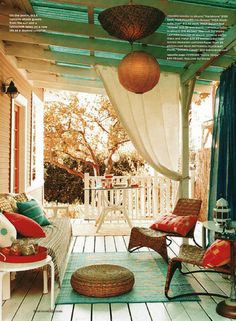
[45, 279]
[6, 286]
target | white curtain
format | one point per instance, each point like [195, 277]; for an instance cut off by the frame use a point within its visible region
[152, 120]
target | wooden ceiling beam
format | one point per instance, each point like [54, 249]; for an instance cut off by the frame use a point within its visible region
[197, 68]
[24, 5]
[33, 57]
[37, 52]
[80, 43]
[71, 87]
[49, 67]
[77, 28]
[65, 80]
[169, 8]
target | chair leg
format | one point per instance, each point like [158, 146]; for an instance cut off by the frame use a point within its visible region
[175, 264]
[172, 267]
[139, 239]
[135, 240]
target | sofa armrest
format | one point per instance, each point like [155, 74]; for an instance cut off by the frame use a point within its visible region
[54, 210]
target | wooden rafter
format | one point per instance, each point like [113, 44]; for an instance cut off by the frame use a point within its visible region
[199, 67]
[82, 43]
[169, 8]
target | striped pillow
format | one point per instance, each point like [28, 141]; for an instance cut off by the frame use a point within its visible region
[34, 211]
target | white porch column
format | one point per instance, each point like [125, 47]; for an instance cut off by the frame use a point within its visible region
[186, 98]
[185, 154]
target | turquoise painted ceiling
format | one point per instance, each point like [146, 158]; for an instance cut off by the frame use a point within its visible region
[64, 54]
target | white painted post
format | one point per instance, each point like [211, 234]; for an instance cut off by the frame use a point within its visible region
[154, 196]
[185, 154]
[192, 182]
[86, 193]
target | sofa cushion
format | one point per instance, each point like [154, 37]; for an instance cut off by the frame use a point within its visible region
[22, 197]
[175, 223]
[57, 241]
[7, 232]
[25, 225]
[217, 254]
[33, 210]
[14, 198]
[5, 204]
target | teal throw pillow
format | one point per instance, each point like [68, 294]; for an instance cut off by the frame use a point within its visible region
[34, 211]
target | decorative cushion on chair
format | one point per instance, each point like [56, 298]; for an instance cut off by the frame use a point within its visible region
[217, 254]
[175, 224]
[34, 211]
[7, 232]
[25, 225]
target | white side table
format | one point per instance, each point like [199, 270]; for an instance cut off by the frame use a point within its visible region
[16, 267]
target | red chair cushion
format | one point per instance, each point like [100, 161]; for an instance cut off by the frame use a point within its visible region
[217, 254]
[25, 225]
[175, 224]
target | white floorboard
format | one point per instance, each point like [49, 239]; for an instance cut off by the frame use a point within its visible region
[82, 312]
[27, 302]
[158, 311]
[120, 311]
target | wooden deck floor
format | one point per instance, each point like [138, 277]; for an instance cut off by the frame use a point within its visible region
[28, 304]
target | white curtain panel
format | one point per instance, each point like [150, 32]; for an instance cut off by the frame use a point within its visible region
[152, 120]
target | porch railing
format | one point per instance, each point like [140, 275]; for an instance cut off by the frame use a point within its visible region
[156, 195]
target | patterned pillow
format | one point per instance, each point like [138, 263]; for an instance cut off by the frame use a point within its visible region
[217, 254]
[7, 232]
[5, 205]
[175, 224]
[34, 211]
[14, 198]
[22, 197]
[25, 225]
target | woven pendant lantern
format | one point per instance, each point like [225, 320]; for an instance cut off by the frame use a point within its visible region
[139, 72]
[131, 22]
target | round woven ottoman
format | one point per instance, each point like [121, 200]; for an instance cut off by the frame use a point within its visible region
[102, 280]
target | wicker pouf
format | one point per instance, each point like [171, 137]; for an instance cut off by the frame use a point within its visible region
[102, 280]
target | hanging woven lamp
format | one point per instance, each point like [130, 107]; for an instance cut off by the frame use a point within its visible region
[131, 22]
[138, 72]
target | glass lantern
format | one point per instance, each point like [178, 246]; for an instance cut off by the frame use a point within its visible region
[221, 212]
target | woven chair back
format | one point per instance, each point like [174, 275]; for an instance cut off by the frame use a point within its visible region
[187, 206]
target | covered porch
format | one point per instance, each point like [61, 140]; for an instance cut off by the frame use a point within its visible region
[63, 57]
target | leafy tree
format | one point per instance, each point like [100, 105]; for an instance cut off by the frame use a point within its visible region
[63, 187]
[79, 135]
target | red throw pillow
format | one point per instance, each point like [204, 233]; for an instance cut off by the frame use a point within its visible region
[175, 224]
[25, 225]
[217, 254]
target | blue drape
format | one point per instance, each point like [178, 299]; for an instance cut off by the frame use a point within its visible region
[223, 151]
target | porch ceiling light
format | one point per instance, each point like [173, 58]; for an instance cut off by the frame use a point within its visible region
[10, 89]
[131, 22]
[139, 72]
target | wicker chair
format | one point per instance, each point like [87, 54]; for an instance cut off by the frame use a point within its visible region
[193, 255]
[156, 240]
